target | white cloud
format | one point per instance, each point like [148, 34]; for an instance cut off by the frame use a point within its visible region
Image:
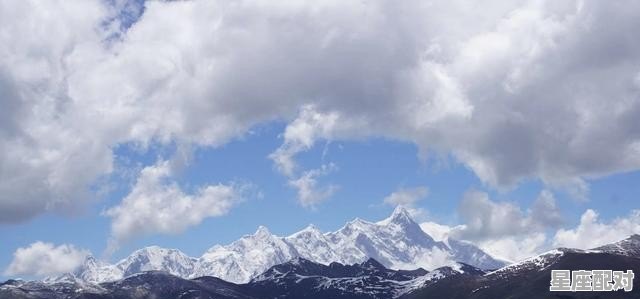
[301, 134]
[516, 248]
[544, 213]
[309, 193]
[158, 205]
[437, 74]
[46, 162]
[42, 259]
[591, 232]
[438, 232]
[484, 219]
[505, 230]
[509, 248]
[408, 197]
[434, 259]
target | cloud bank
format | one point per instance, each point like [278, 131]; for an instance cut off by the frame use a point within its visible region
[158, 205]
[517, 90]
[506, 231]
[43, 259]
[591, 232]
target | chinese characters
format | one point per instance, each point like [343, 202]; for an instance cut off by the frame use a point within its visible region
[589, 281]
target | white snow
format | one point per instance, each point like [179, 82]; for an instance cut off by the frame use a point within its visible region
[539, 262]
[396, 242]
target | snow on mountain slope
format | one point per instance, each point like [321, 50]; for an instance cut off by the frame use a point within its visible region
[313, 245]
[435, 276]
[397, 242]
[245, 258]
[301, 278]
[96, 271]
[150, 258]
[468, 253]
[629, 247]
[153, 258]
[535, 263]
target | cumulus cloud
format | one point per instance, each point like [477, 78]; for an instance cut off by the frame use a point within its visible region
[437, 231]
[503, 229]
[300, 135]
[158, 205]
[309, 193]
[516, 248]
[485, 219]
[510, 248]
[592, 232]
[589, 233]
[43, 259]
[506, 231]
[408, 197]
[46, 162]
[453, 77]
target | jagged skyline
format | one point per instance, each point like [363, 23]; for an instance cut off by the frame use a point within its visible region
[397, 242]
[509, 124]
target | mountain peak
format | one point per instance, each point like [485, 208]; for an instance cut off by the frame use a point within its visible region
[311, 228]
[400, 211]
[400, 216]
[152, 248]
[262, 232]
[396, 243]
[371, 263]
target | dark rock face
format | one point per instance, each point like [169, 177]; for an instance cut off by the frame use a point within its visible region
[301, 278]
[144, 285]
[628, 247]
[532, 282]
[298, 278]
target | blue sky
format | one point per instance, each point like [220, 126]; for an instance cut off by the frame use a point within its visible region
[368, 171]
[520, 119]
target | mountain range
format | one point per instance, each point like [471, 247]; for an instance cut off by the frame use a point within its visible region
[531, 277]
[396, 242]
[302, 278]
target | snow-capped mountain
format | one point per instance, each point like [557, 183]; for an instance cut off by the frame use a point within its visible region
[150, 258]
[245, 258]
[629, 247]
[530, 278]
[535, 263]
[301, 278]
[172, 261]
[397, 242]
[297, 278]
[94, 270]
